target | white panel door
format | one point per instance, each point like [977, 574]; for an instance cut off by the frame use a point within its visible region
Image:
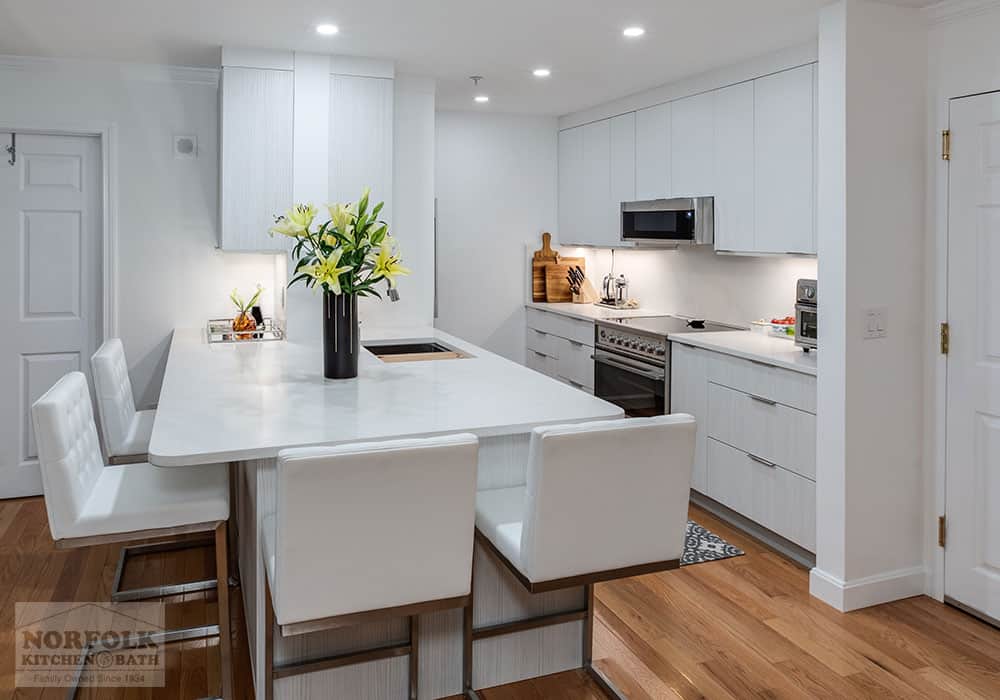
[361, 114]
[652, 152]
[784, 162]
[692, 146]
[734, 169]
[972, 555]
[256, 157]
[50, 282]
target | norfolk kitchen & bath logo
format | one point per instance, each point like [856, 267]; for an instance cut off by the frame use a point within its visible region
[88, 644]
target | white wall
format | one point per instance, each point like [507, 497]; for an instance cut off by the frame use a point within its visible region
[170, 271]
[496, 192]
[963, 59]
[871, 156]
[696, 281]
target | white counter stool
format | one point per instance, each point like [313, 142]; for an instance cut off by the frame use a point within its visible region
[603, 501]
[368, 532]
[126, 431]
[89, 503]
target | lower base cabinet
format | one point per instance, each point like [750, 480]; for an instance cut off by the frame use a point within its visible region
[562, 348]
[756, 440]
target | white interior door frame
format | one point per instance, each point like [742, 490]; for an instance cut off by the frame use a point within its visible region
[107, 132]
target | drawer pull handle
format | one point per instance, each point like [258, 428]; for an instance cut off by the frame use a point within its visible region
[576, 343]
[761, 399]
[540, 354]
[761, 460]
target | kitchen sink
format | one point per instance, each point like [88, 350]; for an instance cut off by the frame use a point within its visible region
[416, 351]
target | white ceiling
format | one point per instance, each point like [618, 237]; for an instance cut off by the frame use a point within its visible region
[580, 40]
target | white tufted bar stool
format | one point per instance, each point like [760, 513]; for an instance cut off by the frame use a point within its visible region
[364, 533]
[126, 431]
[603, 501]
[89, 503]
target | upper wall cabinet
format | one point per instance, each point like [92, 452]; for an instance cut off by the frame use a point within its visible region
[785, 162]
[652, 152]
[622, 171]
[692, 143]
[256, 156]
[361, 138]
[734, 167]
[750, 145]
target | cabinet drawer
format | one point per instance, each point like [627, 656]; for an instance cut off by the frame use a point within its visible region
[575, 362]
[781, 501]
[542, 342]
[562, 326]
[764, 428]
[540, 362]
[775, 384]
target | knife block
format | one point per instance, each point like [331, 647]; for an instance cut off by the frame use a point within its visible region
[587, 295]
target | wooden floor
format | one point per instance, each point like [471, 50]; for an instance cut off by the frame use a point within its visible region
[741, 628]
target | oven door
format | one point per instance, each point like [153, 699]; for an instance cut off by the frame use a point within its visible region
[640, 389]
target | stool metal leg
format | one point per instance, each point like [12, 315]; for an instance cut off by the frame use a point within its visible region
[225, 634]
[605, 684]
[414, 656]
[120, 596]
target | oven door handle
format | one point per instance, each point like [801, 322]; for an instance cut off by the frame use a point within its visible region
[629, 367]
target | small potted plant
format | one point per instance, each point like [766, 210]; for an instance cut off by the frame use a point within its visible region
[346, 257]
[244, 323]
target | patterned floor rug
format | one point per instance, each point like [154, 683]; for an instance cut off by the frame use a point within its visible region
[701, 545]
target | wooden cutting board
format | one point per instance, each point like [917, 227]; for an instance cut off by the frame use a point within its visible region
[540, 259]
[556, 281]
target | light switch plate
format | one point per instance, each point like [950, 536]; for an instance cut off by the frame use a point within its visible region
[876, 322]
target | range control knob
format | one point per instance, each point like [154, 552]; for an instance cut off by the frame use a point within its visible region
[661, 350]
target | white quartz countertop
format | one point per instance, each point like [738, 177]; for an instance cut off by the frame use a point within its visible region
[755, 346]
[590, 312]
[241, 401]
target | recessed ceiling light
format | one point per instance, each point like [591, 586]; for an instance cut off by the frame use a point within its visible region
[327, 29]
[482, 98]
[541, 72]
[633, 32]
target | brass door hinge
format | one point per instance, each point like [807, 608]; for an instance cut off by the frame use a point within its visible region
[946, 144]
[942, 531]
[945, 338]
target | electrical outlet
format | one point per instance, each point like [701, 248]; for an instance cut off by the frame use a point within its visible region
[876, 322]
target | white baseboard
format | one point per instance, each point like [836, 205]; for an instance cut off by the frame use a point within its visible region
[870, 590]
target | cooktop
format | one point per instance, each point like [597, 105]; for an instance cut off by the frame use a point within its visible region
[664, 325]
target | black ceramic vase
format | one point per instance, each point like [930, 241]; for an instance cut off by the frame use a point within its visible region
[340, 336]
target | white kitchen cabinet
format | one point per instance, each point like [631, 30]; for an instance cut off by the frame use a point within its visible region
[734, 167]
[622, 172]
[692, 146]
[652, 152]
[361, 138]
[689, 394]
[596, 193]
[256, 156]
[784, 162]
[756, 439]
[561, 347]
[571, 185]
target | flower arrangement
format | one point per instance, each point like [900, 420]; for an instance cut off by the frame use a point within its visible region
[347, 257]
[349, 254]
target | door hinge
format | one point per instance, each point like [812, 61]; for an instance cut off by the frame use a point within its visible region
[942, 531]
[946, 144]
[12, 150]
[945, 338]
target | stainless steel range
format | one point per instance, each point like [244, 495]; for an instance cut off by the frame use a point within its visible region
[632, 360]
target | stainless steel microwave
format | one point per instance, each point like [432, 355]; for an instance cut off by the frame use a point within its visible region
[669, 222]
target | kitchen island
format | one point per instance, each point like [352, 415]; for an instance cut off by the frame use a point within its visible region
[243, 403]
